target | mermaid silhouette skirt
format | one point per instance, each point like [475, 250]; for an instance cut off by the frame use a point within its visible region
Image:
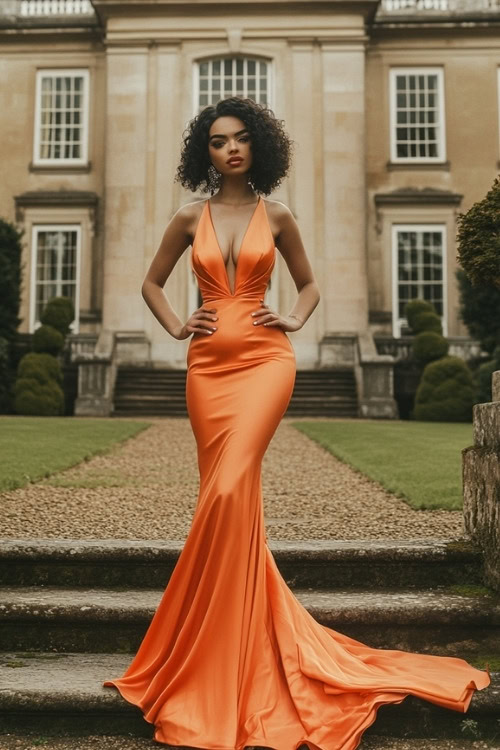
[231, 658]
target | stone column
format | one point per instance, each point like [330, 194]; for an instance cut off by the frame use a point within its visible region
[345, 287]
[125, 183]
[306, 191]
[481, 483]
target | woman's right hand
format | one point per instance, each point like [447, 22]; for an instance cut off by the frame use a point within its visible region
[196, 324]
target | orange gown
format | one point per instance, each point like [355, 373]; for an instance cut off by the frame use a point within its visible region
[231, 658]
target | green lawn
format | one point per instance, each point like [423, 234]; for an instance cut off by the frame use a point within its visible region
[418, 461]
[35, 447]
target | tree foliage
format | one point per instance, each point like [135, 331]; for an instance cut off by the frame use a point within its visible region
[10, 279]
[478, 239]
[480, 310]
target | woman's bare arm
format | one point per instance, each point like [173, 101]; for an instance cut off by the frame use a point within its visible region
[177, 237]
[291, 247]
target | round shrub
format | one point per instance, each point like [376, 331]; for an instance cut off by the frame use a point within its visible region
[445, 393]
[48, 339]
[428, 346]
[415, 307]
[427, 321]
[58, 313]
[32, 398]
[41, 366]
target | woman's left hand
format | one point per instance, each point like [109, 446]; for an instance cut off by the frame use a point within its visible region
[267, 317]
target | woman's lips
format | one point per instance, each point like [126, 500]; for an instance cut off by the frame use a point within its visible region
[235, 162]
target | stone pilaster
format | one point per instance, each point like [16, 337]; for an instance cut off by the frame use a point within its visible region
[344, 283]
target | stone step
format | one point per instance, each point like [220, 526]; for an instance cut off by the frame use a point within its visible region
[58, 694]
[346, 373]
[179, 389]
[15, 741]
[42, 618]
[153, 397]
[170, 409]
[150, 391]
[422, 563]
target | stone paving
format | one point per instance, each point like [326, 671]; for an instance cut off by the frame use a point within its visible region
[101, 742]
[147, 488]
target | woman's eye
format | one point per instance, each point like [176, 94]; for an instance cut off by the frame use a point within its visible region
[217, 145]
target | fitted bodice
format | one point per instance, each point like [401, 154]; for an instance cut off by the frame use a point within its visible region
[254, 265]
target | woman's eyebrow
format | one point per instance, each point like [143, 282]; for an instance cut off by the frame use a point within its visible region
[240, 132]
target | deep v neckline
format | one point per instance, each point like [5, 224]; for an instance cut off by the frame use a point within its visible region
[237, 264]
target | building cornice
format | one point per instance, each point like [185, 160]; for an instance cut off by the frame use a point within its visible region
[411, 195]
[107, 10]
[56, 199]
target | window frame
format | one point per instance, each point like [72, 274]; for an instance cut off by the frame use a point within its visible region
[396, 227]
[35, 231]
[54, 73]
[231, 56]
[440, 125]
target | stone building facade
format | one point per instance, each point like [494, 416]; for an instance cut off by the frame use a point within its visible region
[393, 106]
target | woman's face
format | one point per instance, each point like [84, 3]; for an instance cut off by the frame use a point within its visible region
[229, 146]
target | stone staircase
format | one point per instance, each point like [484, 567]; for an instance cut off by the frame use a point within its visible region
[158, 391]
[72, 612]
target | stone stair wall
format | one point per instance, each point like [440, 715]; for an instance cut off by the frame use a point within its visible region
[73, 612]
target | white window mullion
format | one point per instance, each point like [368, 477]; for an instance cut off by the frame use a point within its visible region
[417, 116]
[422, 276]
[44, 238]
[210, 74]
[61, 117]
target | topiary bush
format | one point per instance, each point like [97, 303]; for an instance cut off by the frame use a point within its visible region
[445, 392]
[427, 321]
[33, 398]
[58, 313]
[43, 367]
[37, 390]
[429, 346]
[48, 339]
[414, 308]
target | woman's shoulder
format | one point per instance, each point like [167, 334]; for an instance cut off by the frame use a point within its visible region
[189, 214]
[277, 209]
[190, 210]
[279, 216]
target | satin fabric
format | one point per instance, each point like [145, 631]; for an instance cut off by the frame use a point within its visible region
[231, 658]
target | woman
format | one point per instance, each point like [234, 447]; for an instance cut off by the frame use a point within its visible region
[231, 659]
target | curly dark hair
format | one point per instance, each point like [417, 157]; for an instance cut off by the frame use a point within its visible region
[271, 146]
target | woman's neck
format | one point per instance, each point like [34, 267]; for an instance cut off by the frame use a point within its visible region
[235, 191]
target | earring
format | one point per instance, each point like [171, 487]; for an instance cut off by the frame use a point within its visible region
[214, 179]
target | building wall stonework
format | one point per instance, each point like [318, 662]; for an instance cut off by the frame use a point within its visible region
[330, 73]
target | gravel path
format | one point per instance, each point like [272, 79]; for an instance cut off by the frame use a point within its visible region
[147, 488]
